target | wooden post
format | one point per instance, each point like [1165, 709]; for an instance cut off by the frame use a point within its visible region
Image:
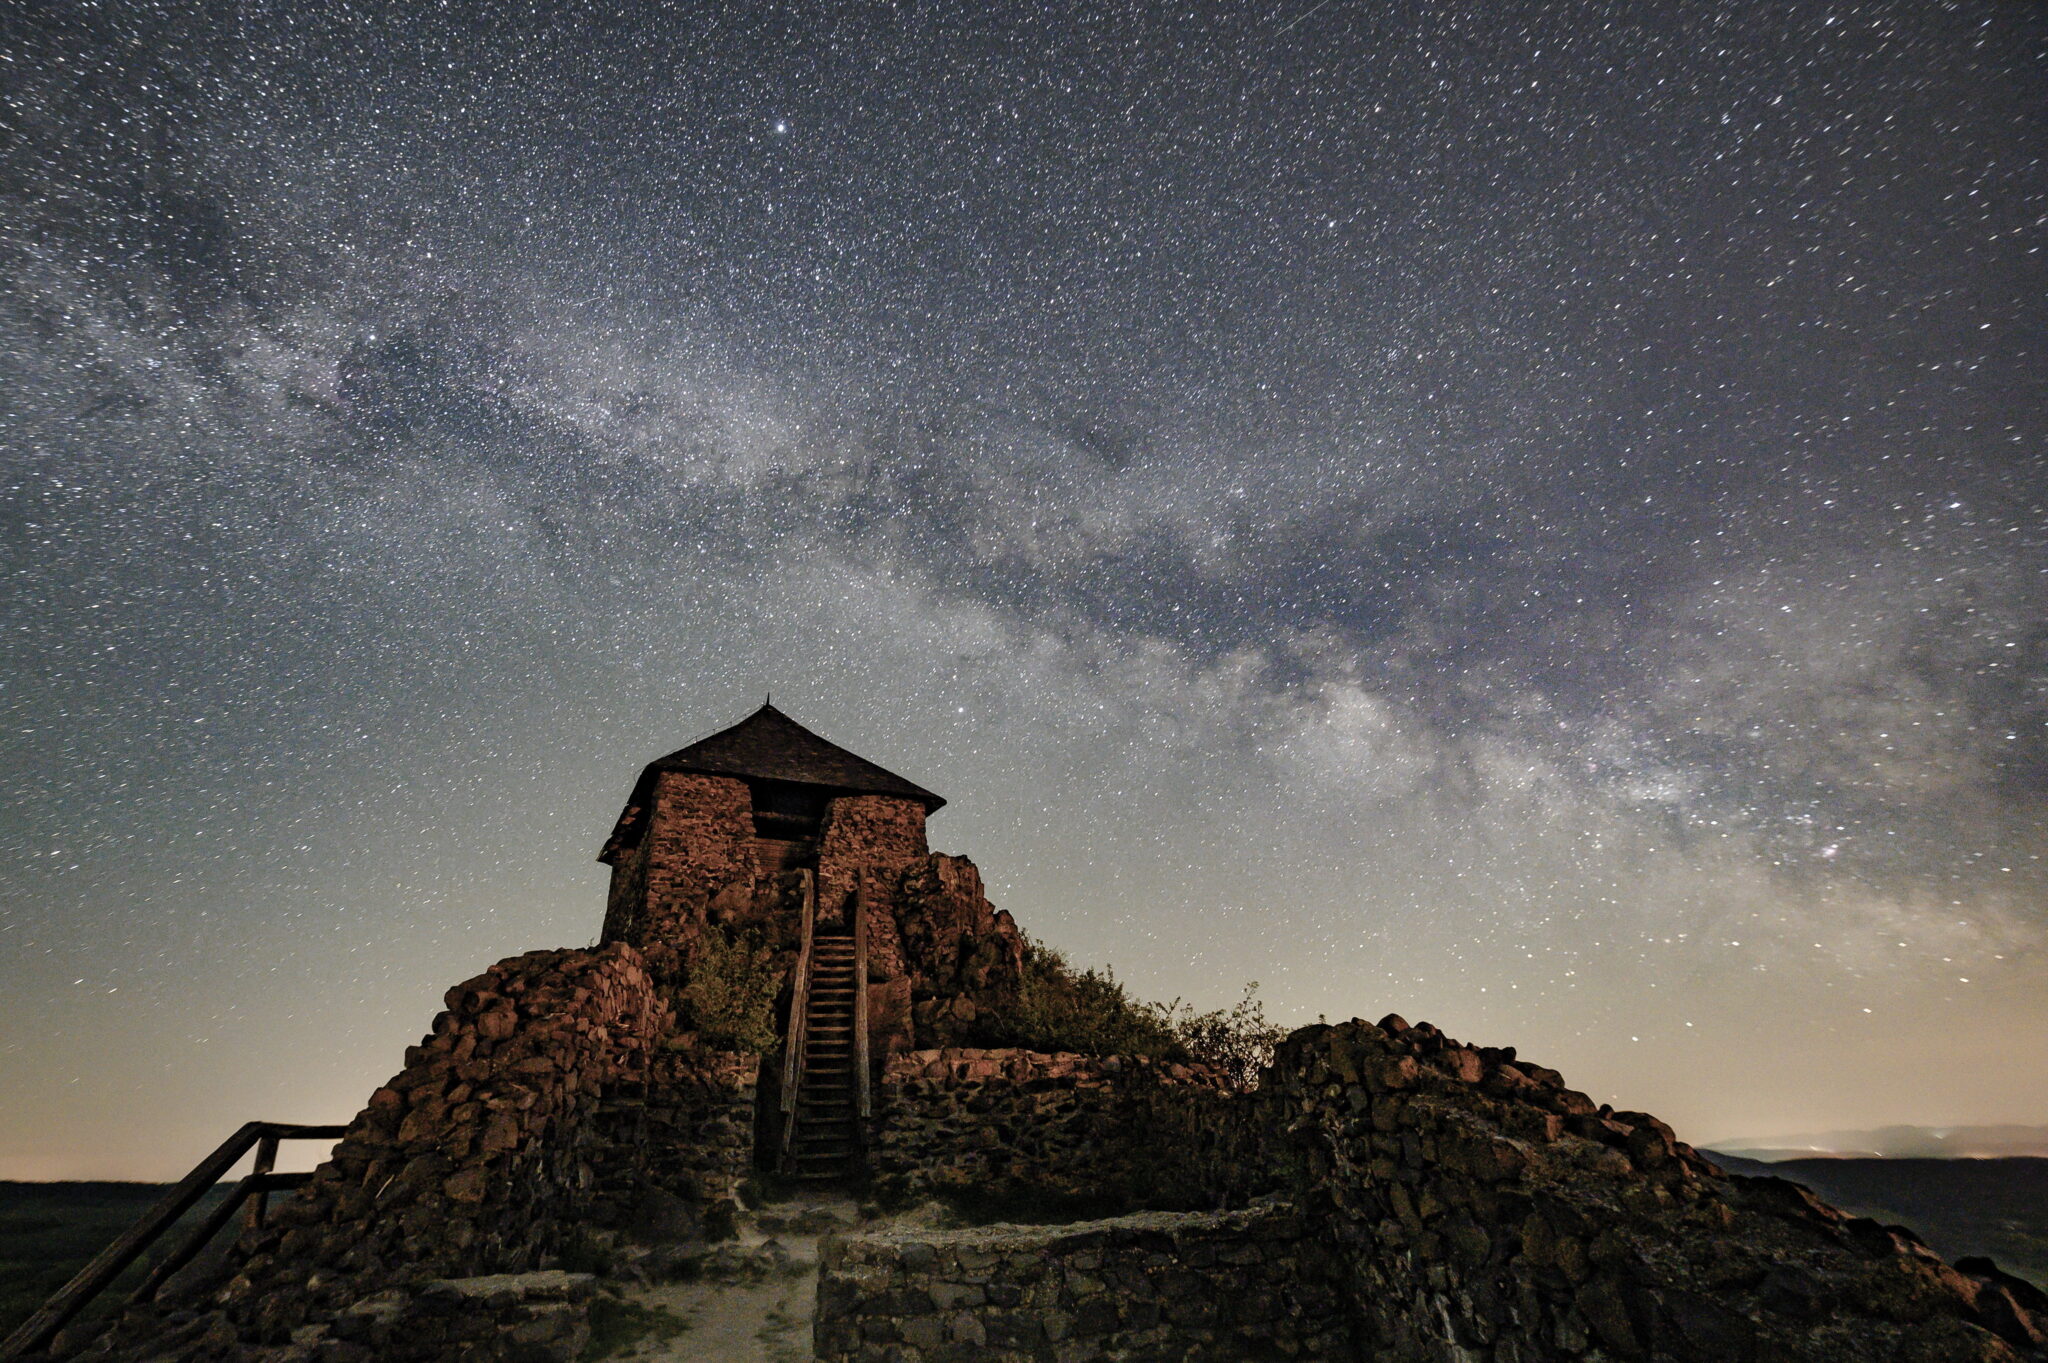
[259, 1196]
[860, 1010]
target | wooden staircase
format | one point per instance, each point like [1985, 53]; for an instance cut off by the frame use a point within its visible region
[826, 1138]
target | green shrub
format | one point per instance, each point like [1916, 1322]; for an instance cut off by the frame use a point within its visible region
[1238, 1040]
[730, 991]
[617, 1326]
[1061, 1009]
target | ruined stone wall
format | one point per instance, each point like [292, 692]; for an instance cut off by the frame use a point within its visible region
[996, 1126]
[1487, 1212]
[1154, 1286]
[533, 1108]
[1464, 1207]
[541, 1317]
[963, 958]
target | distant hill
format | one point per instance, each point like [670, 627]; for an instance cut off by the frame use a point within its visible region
[1992, 1207]
[49, 1230]
[1897, 1142]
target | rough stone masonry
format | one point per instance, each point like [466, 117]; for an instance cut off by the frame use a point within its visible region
[1417, 1200]
[1384, 1193]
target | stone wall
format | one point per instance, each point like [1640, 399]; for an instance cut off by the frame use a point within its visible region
[550, 1097]
[698, 844]
[1464, 1206]
[1018, 1126]
[1154, 1286]
[541, 1317]
[864, 848]
[1487, 1212]
[687, 1130]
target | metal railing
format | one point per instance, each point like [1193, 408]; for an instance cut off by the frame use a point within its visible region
[252, 1193]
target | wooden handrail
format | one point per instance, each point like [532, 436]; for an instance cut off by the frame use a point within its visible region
[38, 1330]
[796, 1033]
[860, 1012]
[254, 1191]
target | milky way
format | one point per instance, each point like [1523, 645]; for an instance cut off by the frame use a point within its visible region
[1530, 516]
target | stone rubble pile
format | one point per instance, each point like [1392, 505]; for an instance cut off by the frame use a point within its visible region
[1487, 1211]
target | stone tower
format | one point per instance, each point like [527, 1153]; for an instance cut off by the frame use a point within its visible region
[768, 834]
[711, 832]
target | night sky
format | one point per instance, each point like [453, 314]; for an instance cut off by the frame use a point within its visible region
[1530, 516]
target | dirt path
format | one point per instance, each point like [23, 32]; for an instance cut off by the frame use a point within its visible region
[753, 1301]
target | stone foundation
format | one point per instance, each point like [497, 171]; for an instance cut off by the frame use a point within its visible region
[505, 1318]
[1152, 1286]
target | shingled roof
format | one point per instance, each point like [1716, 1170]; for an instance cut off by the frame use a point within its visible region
[768, 746]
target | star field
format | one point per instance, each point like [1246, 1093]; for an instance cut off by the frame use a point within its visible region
[1525, 515]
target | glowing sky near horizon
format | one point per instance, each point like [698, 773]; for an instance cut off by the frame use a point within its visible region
[1530, 516]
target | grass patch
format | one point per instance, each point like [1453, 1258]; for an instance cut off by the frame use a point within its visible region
[730, 992]
[616, 1326]
[1059, 1008]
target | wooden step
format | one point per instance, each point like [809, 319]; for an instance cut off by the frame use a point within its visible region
[824, 1143]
